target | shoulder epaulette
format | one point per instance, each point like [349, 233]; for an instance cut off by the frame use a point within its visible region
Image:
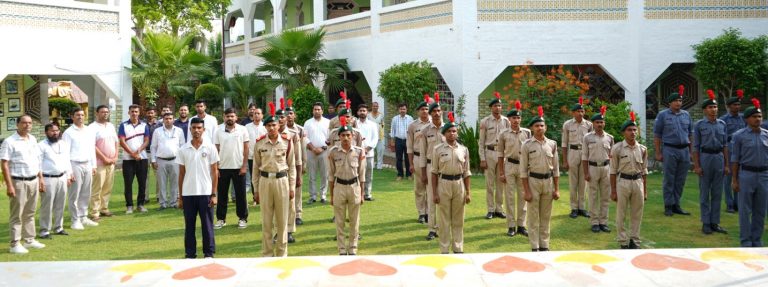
[261, 137]
[285, 136]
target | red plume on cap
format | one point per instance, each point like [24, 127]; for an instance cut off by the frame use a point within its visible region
[426, 98]
[711, 94]
[681, 90]
[282, 103]
[271, 109]
[541, 112]
[290, 103]
[437, 98]
[756, 103]
[343, 95]
[632, 116]
[451, 118]
[518, 105]
[343, 121]
[497, 95]
[581, 100]
[349, 104]
[602, 110]
[740, 94]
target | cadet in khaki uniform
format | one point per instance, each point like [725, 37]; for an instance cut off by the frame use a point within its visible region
[490, 127]
[282, 118]
[451, 173]
[340, 104]
[573, 137]
[274, 171]
[346, 176]
[333, 136]
[628, 171]
[432, 137]
[413, 149]
[510, 141]
[540, 173]
[299, 131]
[595, 159]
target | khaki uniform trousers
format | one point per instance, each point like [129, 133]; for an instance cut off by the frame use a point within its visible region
[516, 209]
[539, 212]
[431, 206]
[346, 202]
[451, 223]
[22, 218]
[419, 189]
[102, 189]
[576, 182]
[494, 188]
[291, 227]
[52, 204]
[273, 195]
[599, 194]
[630, 198]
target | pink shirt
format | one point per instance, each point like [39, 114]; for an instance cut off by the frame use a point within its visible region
[106, 140]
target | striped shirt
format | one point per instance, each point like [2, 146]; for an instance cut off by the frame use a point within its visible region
[399, 127]
[23, 155]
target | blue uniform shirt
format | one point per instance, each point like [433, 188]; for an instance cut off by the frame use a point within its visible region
[673, 128]
[750, 148]
[709, 135]
[764, 125]
[733, 123]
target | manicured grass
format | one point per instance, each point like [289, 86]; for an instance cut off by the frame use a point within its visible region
[388, 226]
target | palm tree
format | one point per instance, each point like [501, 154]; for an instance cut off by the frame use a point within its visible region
[241, 89]
[295, 59]
[165, 67]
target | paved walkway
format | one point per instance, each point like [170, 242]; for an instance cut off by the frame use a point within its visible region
[649, 267]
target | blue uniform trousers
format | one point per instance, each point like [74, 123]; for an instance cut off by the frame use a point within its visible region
[753, 193]
[711, 187]
[677, 161]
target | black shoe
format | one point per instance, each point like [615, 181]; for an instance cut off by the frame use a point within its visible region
[426, 218]
[61, 232]
[543, 249]
[667, 210]
[522, 231]
[299, 221]
[352, 254]
[633, 245]
[625, 247]
[719, 229]
[534, 250]
[595, 228]
[369, 199]
[311, 201]
[604, 228]
[333, 219]
[458, 252]
[676, 209]
[489, 215]
[499, 215]
[706, 229]
[511, 232]
[290, 238]
[584, 213]
[431, 236]
[322, 200]
[45, 236]
[574, 213]
[342, 254]
[422, 219]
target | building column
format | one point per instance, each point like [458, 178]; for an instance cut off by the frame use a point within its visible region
[44, 112]
[318, 13]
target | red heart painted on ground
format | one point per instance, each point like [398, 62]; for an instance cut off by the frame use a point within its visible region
[658, 262]
[363, 266]
[507, 264]
[211, 271]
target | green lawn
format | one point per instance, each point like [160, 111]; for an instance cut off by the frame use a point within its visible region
[388, 226]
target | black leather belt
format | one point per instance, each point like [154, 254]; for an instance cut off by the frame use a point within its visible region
[754, 168]
[273, 174]
[429, 161]
[167, 158]
[416, 153]
[53, 175]
[604, 163]
[346, 181]
[677, 146]
[24, 178]
[513, 160]
[631, 176]
[540, 175]
[575, 146]
[450, 177]
[711, 151]
[490, 147]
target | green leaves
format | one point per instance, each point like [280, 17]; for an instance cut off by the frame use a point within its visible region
[177, 16]
[407, 83]
[212, 94]
[303, 100]
[242, 88]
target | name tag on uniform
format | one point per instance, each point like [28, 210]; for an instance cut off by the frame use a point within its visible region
[443, 154]
[490, 128]
[263, 150]
[429, 136]
[623, 156]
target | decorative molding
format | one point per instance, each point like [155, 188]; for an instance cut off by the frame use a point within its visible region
[552, 10]
[55, 17]
[348, 29]
[257, 45]
[235, 50]
[705, 9]
[418, 17]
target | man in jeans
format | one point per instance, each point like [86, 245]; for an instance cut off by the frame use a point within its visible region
[134, 139]
[398, 132]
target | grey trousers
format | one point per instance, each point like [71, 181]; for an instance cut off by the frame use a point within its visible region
[368, 176]
[167, 173]
[52, 204]
[317, 165]
[22, 212]
[80, 190]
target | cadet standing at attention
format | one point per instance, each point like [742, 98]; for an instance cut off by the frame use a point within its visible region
[413, 149]
[432, 137]
[490, 127]
[595, 159]
[628, 163]
[574, 131]
[673, 130]
[346, 177]
[510, 142]
[710, 162]
[734, 121]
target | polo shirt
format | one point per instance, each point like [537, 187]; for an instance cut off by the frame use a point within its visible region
[231, 145]
[197, 165]
[209, 122]
[134, 137]
[106, 139]
[255, 131]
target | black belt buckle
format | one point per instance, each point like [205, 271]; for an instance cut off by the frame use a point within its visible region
[599, 164]
[711, 151]
[280, 174]
[416, 153]
[450, 177]
[677, 146]
[24, 178]
[429, 161]
[490, 147]
[167, 158]
[513, 160]
[575, 146]
[540, 175]
[754, 168]
[346, 181]
[630, 176]
[53, 175]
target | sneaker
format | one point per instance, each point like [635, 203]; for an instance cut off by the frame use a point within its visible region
[219, 224]
[77, 225]
[242, 224]
[129, 210]
[88, 222]
[33, 244]
[142, 209]
[62, 232]
[18, 249]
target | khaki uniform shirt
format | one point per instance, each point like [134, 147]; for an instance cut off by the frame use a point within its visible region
[299, 130]
[296, 142]
[413, 140]
[597, 148]
[451, 160]
[628, 159]
[333, 124]
[539, 157]
[347, 165]
[274, 157]
[432, 137]
[573, 132]
[510, 143]
[490, 128]
[335, 140]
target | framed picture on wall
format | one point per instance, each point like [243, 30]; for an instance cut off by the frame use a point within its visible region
[14, 105]
[11, 87]
[11, 123]
[2, 109]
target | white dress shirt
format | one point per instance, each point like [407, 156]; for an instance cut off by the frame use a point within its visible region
[197, 166]
[209, 122]
[231, 146]
[23, 155]
[82, 144]
[255, 131]
[55, 157]
[166, 142]
[370, 132]
[317, 131]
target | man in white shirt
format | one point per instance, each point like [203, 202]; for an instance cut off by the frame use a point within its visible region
[398, 135]
[370, 132]
[134, 138]
[106, 157]
[316, 130]
[166, 142]
[20, 157]
[211, 124]
[378, 118]
[57, 174]
[82, 155]
[255, 130]
[231, 140]
[198, 178]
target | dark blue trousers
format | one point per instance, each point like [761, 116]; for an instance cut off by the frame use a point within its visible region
[402, 164]
[195, 206]
[753, 194]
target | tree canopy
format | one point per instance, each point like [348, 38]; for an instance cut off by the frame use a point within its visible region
[175, 16]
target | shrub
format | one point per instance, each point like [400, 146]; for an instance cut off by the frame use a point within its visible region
[407, 83]
[303, 99]
[615, 116]
[212, 94]
[469, 137]
[63, 105]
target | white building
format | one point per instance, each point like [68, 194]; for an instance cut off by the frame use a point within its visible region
[87, 42]
[636, 47]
